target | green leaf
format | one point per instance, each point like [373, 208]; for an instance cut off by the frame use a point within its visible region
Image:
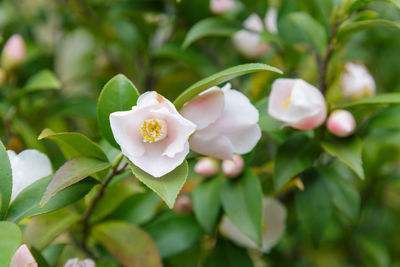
[41, 230]
[227, 254]
[27, 202]
[128, 243]
[119, 94]
[5, 180]
[167, 186]
[207, 202]
[357, 4]
[349, 28]
[242, 202]
[312, 31]
[266, 122]
[43, 80]
[211, 27]
[219, 78]
[348, 151]
[381, 99]
[174, 233]
[297, 154]
[11, 238]
[74, 145]
[73, 171]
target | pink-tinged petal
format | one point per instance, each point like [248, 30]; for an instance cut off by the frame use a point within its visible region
[222, 6]
[154, 99]
[205, 108]
[80, 263]
[245, 140]
[14, 52]
[23, 258]
[311, 122]
[218, 147]
[274, 218]
[341, 123]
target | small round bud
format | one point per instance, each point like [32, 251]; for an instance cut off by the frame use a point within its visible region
[232, 168]
[183, 205]
[206, 166]
[14, 52]
[221, 6]
[341, 123]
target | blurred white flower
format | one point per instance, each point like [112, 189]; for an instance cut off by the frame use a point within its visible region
[274, 224]
[232, 168]
[14, 52]
[206, 166]
[153, 135]
[80, 263]
[23, 258]
[27, 167]
[226, 122]
[341, 123]
[357, 82]
[221, 6]
[297, 103]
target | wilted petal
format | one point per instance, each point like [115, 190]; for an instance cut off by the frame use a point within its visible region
[23, 258]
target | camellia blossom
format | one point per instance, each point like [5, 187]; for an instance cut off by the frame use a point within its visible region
[206, 166]
[341, 123]
[80, 263]
[274, 224]
[297, 103]
[356, 82]
[23, 257]
[14, 52]
[27, 167]
[232, 168]
[221, 6]
[153, 135]
[226, 122]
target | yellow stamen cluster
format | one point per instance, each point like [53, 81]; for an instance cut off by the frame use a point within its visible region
[287, 102]
[152, 131]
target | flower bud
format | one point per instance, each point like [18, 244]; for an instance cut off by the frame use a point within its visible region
[79, 263]
[341, 123]
[14, 52]
[221, 6]
[206, 166]
[183, 205]
[23, 257]
[232, 168]
[356, 82]
[297, 103]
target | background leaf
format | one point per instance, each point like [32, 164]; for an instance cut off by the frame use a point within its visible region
[381, 99]
[349, 28]
[43, 80]
[11, 238]
[5, 180]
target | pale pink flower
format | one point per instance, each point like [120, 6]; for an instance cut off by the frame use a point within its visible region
[80, 263]
[226, 122]
[206, 166]
[357, 82]
[232, 168]
[153, 135]
[274, 224]
[23, 258]
[14, 52]
[297, 103]
[341, 123]
[27, 167]
[221, 6]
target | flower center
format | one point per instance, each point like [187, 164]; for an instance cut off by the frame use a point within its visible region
[287, 102]
[153, 130]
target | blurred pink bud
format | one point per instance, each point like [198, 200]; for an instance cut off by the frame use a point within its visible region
[79, 263]
[23, 258]
[232, 168]
[356, 82]
[14, 52]
[222, 6]
[297, 103]
[183, 205]
[206, 166]
[341, 123]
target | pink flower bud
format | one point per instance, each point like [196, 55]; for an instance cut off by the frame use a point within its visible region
[297, 103]
[232, 168]
[79, 263]
[183, 205]
[23, 257]
[206, 166]
[356, 82]
[14, 52]
[221, 6]
[341, 123]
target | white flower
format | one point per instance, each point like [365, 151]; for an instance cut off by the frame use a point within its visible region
[27, 167]
[356, 82]
[221, 6]
[14, 52]
[226, 122]
[341, 123]
[299, 104]
[274, 223]
[23, 258]
[153, 135]
[80, 263]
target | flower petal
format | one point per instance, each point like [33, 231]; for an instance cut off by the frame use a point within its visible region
[218, 146]
[23, 257]
[244, 141]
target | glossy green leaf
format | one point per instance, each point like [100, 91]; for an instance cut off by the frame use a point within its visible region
[128, 243]
[313, 32]
[43, 80]
[174, 233]
[349, 28]
[297, 154]
[242, 203]
[266, 122]
[167, 186]
[5, 180]
[73, 171]
[11, 238]
[27, 202]
[348, 151]
[357, 4]
[52, 253]
[213, 26]
[227, 254]
[219, 78]
[207, 202]
[381, 99]
[118, 94]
